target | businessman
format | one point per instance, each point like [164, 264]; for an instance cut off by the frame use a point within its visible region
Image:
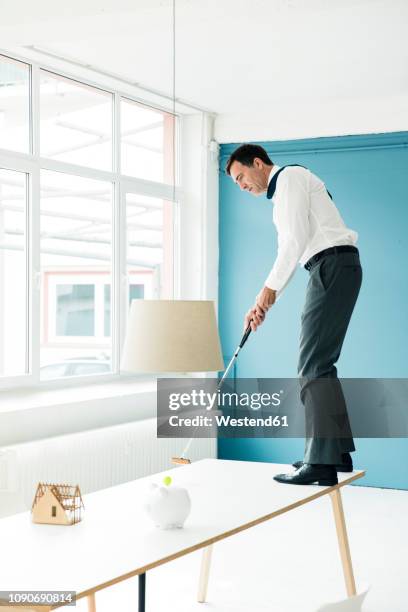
[311, 233]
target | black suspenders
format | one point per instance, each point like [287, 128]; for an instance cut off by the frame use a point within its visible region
[272, 184]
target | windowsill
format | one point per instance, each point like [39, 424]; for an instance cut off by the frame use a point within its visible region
[36, 397]
[33, 413]
[56, 392]
[30, 414]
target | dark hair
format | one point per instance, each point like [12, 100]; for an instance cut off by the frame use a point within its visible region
[245, 154]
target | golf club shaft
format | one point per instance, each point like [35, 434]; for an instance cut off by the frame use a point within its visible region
[224, 376]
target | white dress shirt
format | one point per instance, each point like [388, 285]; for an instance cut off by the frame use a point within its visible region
[307, 221]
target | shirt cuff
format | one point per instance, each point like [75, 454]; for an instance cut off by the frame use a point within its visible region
[272, 282]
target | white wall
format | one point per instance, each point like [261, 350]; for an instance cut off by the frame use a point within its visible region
[311, 120]
[198, 220]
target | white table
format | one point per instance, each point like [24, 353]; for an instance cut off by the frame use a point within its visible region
[116, 540]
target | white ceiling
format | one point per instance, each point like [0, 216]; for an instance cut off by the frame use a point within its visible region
[239, 58]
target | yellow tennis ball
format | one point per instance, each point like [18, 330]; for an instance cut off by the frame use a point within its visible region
[167, 480]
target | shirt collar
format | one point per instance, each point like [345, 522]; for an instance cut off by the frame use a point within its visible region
[272, 173]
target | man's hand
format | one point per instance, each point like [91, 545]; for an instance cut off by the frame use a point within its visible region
[264, 300]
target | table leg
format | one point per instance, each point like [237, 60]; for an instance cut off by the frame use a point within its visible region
[343, 542]
[91, 602]
[142, 593]
[204, 574]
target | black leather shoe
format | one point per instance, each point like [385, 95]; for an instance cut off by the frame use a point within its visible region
[346, 464]
[324, 475]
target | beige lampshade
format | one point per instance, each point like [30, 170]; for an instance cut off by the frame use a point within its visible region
[172, 336]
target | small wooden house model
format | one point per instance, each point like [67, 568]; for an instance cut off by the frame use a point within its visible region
[57, 504]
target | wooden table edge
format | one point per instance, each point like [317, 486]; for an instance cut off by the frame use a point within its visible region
[319, 493]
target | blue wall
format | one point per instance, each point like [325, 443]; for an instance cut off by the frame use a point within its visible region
[368, 178]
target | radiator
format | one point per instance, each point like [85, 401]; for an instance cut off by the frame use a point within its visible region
[94, 459]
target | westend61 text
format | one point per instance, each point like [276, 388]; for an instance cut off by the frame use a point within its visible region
[227, 421]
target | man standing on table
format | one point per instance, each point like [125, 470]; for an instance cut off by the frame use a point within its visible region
[310, 232]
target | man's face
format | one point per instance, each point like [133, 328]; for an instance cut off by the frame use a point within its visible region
[252, 179]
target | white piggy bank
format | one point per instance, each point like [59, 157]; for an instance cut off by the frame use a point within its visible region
[168, 506]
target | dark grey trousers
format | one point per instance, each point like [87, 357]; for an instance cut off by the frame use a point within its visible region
[331, 294]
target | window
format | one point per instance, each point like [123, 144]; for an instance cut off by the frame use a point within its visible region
[86, 221]
[13, 273]
[146, 142]
[75, 310]
[14, 105]
[76, 306]
[149, 246]
[76, 262]
[136, 292]
[76, 122]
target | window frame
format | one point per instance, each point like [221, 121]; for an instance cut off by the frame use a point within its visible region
[31, 164]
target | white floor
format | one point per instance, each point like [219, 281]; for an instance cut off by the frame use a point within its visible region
[289, 564]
